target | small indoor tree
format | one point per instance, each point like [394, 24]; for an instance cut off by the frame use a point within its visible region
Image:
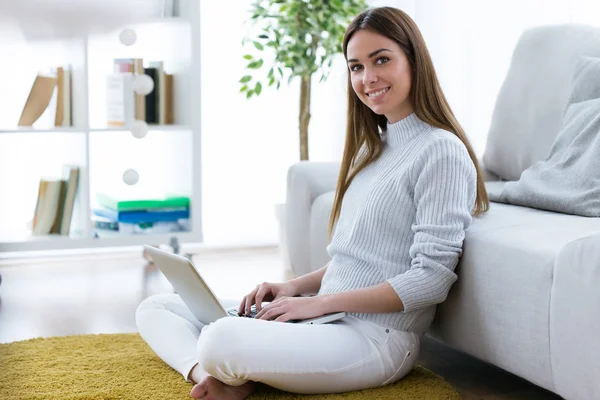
[303, 36]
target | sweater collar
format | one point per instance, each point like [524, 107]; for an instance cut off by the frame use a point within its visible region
[403, 131]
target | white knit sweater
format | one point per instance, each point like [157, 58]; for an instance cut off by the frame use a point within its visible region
[403, 220]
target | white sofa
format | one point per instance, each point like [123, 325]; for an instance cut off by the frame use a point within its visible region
[528, 295]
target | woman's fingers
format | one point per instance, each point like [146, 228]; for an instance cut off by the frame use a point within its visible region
[242, 305]
[282, 318]
[247, 302]
[270, 314]
[270, 311]
[260, 295]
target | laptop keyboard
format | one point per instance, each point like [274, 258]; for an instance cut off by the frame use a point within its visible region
[234, 312]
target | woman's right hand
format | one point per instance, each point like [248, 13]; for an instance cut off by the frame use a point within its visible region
[266, 291]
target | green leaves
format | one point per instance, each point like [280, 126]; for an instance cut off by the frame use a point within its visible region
[294, 38]
[255, 64]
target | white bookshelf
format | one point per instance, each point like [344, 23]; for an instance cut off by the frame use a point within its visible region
[167, 159]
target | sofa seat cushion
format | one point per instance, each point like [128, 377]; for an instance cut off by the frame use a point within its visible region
[499, 309]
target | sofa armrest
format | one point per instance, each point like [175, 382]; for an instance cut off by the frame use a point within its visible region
[306, 181]
[487, 175]
[574, 322]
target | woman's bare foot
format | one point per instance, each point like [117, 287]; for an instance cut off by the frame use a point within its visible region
[197, 374]
[212, 389]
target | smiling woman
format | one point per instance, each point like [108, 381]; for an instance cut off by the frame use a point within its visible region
[391, 76]
[397, 240]
[381, 78]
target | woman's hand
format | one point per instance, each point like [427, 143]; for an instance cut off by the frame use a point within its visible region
[266, 292]
[292, 308]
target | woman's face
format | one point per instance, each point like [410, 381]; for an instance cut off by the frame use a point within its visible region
[380, 74]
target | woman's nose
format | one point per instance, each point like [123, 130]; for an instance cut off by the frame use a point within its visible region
[369, 76]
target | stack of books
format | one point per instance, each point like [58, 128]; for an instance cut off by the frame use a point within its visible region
[124, 105]
[117, 216]
[55, 203]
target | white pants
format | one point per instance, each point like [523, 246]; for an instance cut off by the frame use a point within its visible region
[350, 354]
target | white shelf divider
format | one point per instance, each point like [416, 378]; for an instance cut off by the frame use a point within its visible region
[150, 128]
[28, 129]
[85, 208]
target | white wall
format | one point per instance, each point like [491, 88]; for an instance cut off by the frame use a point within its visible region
[471, 43]
[248, 145]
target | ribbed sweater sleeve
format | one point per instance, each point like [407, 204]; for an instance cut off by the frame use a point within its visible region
[444, 178]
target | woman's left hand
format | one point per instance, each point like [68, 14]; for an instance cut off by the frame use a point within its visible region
[292, 308]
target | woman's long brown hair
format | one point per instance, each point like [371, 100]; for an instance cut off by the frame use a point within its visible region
[429, 103]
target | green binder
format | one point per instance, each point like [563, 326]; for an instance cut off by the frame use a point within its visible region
[170, 201]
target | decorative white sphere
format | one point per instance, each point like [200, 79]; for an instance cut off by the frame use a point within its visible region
[131, 177]
[143, 84]
[127, 37]
[139, 128]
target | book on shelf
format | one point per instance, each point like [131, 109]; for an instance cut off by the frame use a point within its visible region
[63, 116]
[150, 227]
[142, 203]
[49, 99]
[55, 203]
[48, 208]
[154, 108]
[38, 100]
[135, 66]
[123, 65]
[108, 227]
[140, 99]
[71, 177]
[161, 93]
[105, 223]
[152, 98]
[169, 117]
[120, 99]
[143, 216]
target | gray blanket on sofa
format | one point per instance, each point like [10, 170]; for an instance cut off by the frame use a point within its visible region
[568, 181]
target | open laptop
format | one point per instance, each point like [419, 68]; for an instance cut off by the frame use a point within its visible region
[197, 295]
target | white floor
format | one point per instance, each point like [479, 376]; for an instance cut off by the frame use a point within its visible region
[99, 293]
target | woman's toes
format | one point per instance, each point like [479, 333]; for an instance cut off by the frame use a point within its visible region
[199, 390]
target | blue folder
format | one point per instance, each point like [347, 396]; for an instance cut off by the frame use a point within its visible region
[136, 217]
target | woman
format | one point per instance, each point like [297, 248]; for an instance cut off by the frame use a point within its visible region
[408, 188]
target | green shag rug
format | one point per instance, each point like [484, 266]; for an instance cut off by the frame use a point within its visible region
[123, 367]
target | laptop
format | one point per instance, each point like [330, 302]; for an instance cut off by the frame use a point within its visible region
[197, 295]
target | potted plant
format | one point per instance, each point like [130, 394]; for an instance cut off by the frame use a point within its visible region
[303, 36]
[300, 39]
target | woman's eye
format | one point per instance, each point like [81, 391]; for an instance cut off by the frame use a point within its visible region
[382, 60]
[355, 67]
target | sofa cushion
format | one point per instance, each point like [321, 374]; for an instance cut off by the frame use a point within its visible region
[499, 309]
[568, 180]
[531, 102]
